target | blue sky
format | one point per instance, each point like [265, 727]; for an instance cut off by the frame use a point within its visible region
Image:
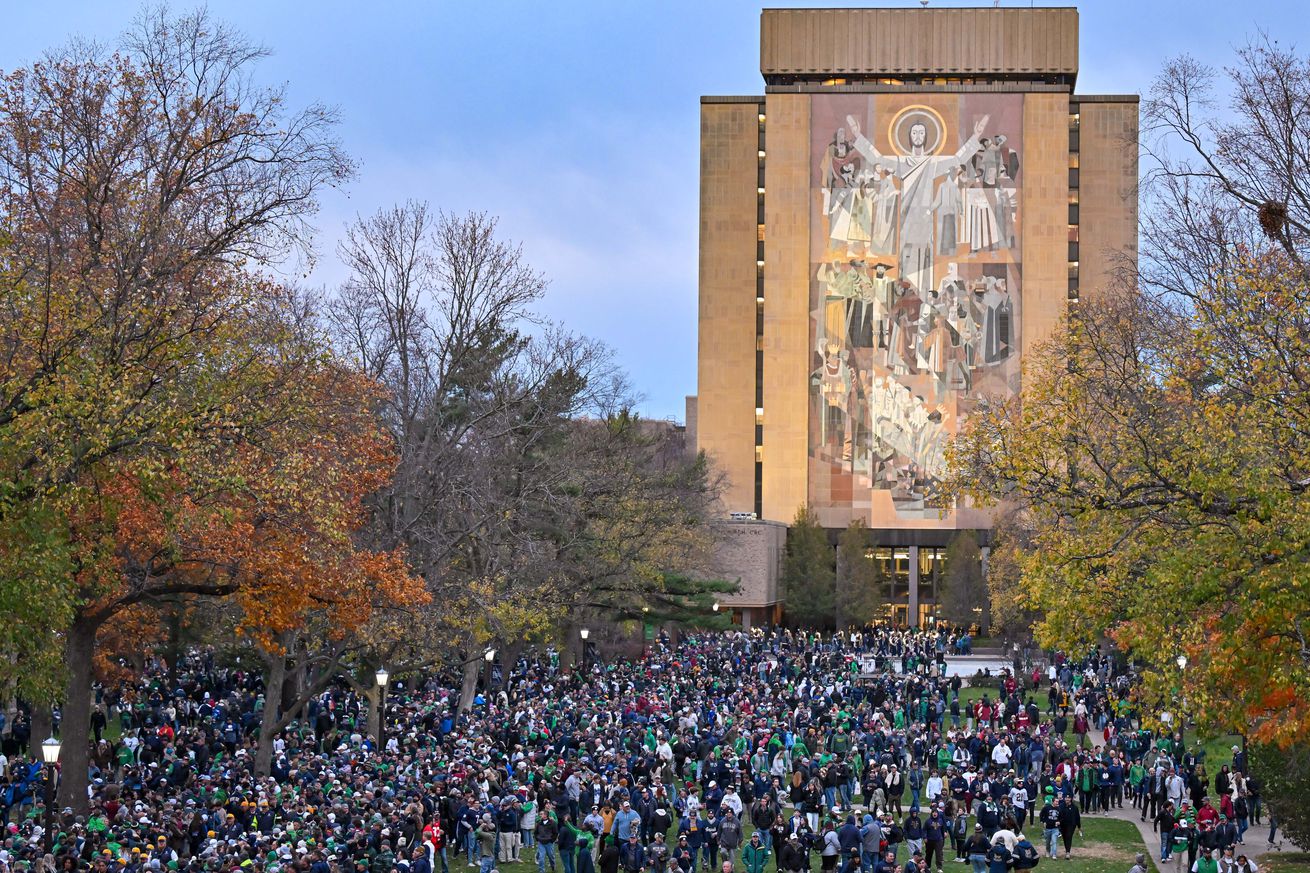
[578, 123]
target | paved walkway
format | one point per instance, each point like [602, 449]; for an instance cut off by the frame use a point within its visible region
[1255, 847]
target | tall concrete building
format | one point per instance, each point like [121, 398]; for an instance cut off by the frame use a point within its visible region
[912, 203]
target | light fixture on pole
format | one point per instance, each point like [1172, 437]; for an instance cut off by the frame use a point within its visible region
[383, 677]
[490, 655]
[50, 754]
[584, 634]
[1181, 662]
[715, 607]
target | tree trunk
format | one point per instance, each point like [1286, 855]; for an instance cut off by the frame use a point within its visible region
[842, 586]
[273, 683]
[470, 685]
[42, 726]
[75, 728]
[374, 697]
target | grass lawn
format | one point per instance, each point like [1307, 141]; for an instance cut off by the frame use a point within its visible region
[1285, 862]
[1108, 846]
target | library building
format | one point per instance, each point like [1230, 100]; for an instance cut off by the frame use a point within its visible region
[914, 200]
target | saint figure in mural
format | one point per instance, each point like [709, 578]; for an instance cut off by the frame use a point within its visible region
[884, 213]
[946, 206]
[918, 172]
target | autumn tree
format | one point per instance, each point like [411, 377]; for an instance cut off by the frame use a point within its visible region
[808, 578]
[136, 188]
[862, 591]
[962, 591]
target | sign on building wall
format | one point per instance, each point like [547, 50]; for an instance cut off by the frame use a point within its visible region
[915, 290]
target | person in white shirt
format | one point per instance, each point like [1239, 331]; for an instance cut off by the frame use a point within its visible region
[1019, 799]
[732, 801]
[1001, 755]
[1007, 836]
[934, 786]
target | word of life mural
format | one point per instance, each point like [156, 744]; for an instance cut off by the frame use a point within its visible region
[915, 292]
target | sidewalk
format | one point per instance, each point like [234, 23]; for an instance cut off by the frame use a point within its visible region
[1255, 848]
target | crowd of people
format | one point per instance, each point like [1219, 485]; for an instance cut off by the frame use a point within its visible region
[729, 752]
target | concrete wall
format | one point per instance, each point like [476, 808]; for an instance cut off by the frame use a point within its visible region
[1108, 193]
[786, 306]
[896, 42]
[725, 396]
[751, 551]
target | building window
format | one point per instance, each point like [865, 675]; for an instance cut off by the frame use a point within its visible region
[759, 481]
[1073, 214]
[1073, 177]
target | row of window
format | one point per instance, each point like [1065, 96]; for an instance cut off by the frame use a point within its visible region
[1075, 124]
[759, 325]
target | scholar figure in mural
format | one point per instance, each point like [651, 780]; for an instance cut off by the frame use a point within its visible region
[918, 172]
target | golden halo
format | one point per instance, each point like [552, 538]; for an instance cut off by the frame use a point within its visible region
[902, 121]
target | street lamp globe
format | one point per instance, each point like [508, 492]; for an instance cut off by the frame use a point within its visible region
[1182, 662]
[715, 607]
[50, 751]
[382, 676]
[490, 655]
[584, 633]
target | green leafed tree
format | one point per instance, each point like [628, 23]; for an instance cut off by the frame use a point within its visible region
[963, 588]
[1284, 774]
[808, 577]
[861, 586]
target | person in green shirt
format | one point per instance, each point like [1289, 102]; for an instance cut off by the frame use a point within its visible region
[1206, 862]
[944, 758]
[1137, 779]
[755, 856]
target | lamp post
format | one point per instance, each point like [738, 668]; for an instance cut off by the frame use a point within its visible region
[488, 657]
[584, 634]
[50, 754]
[1181, 661]
[382, 676]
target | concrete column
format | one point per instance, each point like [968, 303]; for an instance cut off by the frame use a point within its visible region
[912, 611]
